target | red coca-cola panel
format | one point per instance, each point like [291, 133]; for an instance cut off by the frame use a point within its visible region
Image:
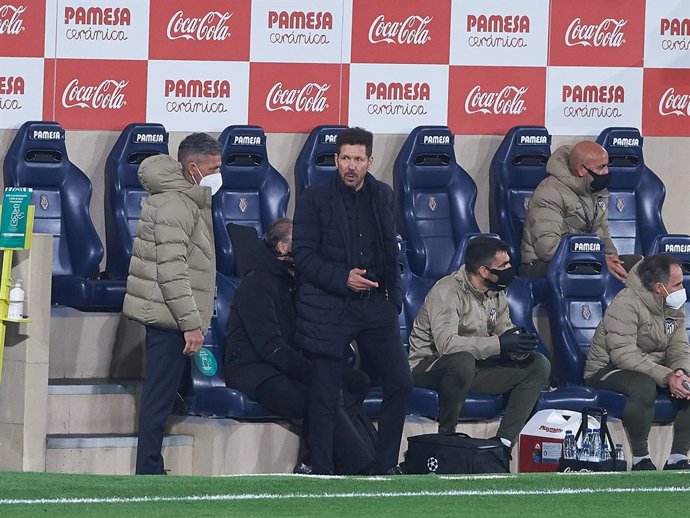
[99, 94]
[405, 31]
[22, 28]
[203, 30]
[491, 100]
[666, 102]
[293, 98]
[609, 33]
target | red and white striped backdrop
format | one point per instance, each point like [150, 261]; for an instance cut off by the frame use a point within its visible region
[479, 66]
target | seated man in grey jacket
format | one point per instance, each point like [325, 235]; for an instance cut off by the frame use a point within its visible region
[641, 343]
[463, 340]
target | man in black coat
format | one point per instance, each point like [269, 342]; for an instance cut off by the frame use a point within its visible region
[346, 252]
[260, 360]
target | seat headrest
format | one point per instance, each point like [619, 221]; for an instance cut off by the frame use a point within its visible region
[429, 151]
[626, 161]
[677, 245]
[37, 155]
[521, 158]
[137, 142]
[316, 161]
[579, 264]
[244, 157]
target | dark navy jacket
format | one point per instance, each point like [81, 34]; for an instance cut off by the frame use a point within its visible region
[323, 252]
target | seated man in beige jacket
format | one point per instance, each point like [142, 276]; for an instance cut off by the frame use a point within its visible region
[642, 343]
[463, 339]
[572, 199]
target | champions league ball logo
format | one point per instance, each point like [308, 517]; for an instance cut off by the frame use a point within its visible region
[432, 464]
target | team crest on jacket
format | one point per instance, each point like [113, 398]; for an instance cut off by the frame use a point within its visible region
[492, 315]
[586, 312]
[43, 200]
[601, 202]
[620, 204]
[432, 203]
[671, 326]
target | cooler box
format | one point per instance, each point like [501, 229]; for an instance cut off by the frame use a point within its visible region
[541, 440]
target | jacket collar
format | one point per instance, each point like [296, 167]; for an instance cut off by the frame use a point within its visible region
[655, 303]
[463, 279]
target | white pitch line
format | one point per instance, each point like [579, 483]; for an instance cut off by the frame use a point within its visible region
[307, 496]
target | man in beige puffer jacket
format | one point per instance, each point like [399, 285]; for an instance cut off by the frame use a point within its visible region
[572, 199]
[171, 283]
[640, 344]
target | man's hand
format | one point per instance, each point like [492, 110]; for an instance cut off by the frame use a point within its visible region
[193, 340]
[615, 266]
[357, 282]
[676, 382]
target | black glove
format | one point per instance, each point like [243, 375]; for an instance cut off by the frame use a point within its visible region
[517, 340]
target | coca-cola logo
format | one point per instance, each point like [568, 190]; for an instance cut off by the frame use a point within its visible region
[411, 31]
[310, 98]
[507, 101]
[311, 20]
[213, 26]
[497, 23]
[672, 103]
[10, 19]
[108, 95]
[608, 33]
[97, 16]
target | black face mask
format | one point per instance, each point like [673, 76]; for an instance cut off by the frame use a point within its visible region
[505, 277]
[599, 181]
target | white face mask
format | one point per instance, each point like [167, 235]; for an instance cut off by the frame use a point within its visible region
[676, 299]
[214, 181]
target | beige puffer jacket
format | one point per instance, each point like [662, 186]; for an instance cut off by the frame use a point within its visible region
[455, 317]
[639, 333]
[172, 281]
[558, 208]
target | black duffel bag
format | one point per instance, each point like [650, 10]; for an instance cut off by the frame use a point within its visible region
[453, 453]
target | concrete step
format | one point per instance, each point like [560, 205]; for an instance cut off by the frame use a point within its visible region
[94, 345]
[112, 454]
[93, 406]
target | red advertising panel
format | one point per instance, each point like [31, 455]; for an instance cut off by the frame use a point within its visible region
[666, 105]
[22, 28]
[104, 95]
[293, 98]
[203, 30]
[406, 31]
[490, 100]
[597, 34]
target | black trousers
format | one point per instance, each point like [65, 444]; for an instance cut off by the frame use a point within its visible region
[289, 397]
[373, 323]
[164, 367]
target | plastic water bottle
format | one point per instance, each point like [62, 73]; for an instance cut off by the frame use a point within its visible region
[605, 455]
[569, 446]
[586, 448]
[16, 308]
[595, 455]
[619, 452]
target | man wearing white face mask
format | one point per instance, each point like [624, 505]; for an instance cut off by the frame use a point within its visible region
[171, 282]
[640, 344]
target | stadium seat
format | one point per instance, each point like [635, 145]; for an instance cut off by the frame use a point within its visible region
[37, 158]
[253, 192]
[636, 193]
[581, 289]
[124, 195]
[316, 161]
[204, 387]
[434, 200]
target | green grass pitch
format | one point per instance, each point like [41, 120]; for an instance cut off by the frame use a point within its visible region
[655, 494]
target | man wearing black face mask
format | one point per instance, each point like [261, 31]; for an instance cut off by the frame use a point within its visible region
[463, 340]
[572, 199]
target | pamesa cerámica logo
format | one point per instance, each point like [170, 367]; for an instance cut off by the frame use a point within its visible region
[300, 27]
[97, 23]
[11, 86]
[396, 98]
[496, 31]
[11, 21]
[675, 34]
[197, 95]
[592, 100]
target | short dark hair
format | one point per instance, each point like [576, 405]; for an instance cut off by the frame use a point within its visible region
[356, 137]
[482, 250]
[197, 144]
[656, 268]
[281, 230]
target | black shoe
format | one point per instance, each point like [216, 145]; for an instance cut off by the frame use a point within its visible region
[302, 469]
[395, 470]
[645, 464]
[681, 464]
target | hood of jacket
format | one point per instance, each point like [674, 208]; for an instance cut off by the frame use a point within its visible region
[655, 303]
[162, 173]
[558, 167]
